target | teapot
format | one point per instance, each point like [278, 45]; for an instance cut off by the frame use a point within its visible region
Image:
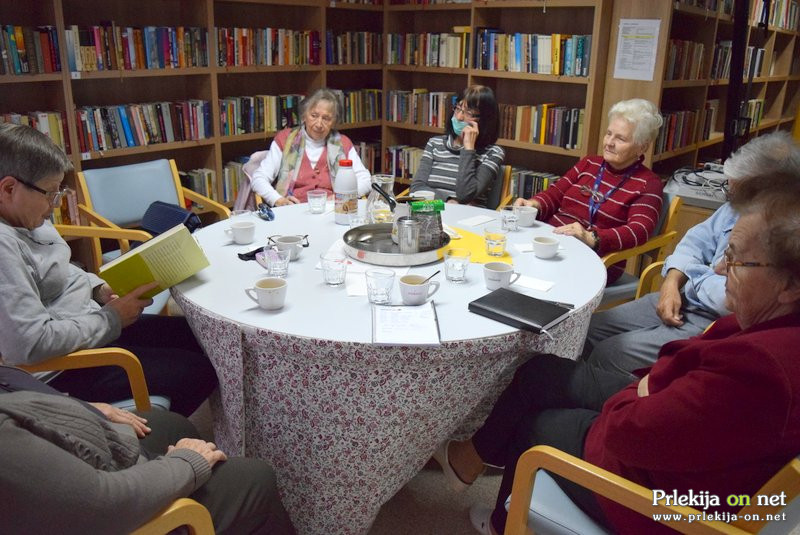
[380, 201]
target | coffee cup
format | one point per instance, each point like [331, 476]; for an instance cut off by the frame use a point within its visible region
[269, 293]
[499, 275]
[294, 244]
[242, 232]
[415, 289]
[545, 246]
[526, 215]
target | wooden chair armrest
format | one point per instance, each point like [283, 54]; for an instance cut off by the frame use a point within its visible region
[662, 240]
[117, 233]
[602, 482]
[212, 206]
[105, 356]
[94, 218]
[182, 512]
[647, 279]
[505, 201]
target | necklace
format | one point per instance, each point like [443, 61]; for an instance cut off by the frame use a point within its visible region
[596, 198]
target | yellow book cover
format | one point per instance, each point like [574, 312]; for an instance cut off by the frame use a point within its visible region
[555, 51]
[169, 258]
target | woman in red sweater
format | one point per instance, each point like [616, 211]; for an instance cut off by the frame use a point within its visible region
[718, 413]
[610, 202]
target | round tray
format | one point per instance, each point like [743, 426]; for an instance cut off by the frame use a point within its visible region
[373, 244]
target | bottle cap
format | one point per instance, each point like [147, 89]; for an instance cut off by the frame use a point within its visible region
[345, 163]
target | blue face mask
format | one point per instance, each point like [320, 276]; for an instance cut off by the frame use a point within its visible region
[458, 126]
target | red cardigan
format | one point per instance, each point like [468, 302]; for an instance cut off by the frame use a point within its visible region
[626, 219]
[723, 416]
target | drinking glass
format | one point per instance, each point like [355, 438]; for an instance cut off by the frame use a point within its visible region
[334, 268]
[510, 219]
[495, 237]
[455, 265]
[316, 201]
[379, 286]
[278, 262]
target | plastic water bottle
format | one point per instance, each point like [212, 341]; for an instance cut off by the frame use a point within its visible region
[345, 191]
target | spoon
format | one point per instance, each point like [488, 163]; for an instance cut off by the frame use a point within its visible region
[432, 276]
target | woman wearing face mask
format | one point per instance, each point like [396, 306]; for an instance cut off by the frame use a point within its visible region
[610, 202]
[462, 165]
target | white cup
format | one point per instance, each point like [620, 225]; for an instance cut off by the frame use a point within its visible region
[526, 215]
[269, 293]
[424, 194]
[415, 290]
[294, 244]
[242, 232]
[499, 275]
[545, 246]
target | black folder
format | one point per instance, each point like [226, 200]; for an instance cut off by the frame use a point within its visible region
[519, 310]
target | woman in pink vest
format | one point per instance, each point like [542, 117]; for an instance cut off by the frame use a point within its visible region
[306, 157]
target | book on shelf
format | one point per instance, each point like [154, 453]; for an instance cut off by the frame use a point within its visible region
[168, 259]
[519, 310]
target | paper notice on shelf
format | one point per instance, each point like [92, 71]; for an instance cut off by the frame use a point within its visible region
[637, 45]
[405, 325]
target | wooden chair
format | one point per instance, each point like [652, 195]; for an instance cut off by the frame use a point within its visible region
[182, 512]
[555, 513]
[624, 288]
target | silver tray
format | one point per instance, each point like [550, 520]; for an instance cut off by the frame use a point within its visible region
[373, 244]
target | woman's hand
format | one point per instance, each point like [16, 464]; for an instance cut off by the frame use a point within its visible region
[469, 135]
[208, 450]
[121, 416]
[286, 201]
[527, 202]
[576, 230]
[103, 293]
[130, 306]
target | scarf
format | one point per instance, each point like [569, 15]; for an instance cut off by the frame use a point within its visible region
[293, 153]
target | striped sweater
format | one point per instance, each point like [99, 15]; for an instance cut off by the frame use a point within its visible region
[465, 175]
[626, 219]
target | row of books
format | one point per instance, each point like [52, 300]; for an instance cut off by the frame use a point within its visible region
[370, 154]
[546, 124]
[678, 130]
[29, 49]
[108, 47]
[402, 161]
[525, 183]
[51, 123]
[238, 47]
[67, 213]
[685, 61]
[721, 64]
[710, 5]
[753, 59]
[259, 113]
[353, 48]
[420, 106]
[103, 128]
[707, 123]
[429, 49]
[558, 53]
[360, 105]
[783, 14]
[754, 109]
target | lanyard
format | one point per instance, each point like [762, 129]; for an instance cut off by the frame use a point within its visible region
[594, 202]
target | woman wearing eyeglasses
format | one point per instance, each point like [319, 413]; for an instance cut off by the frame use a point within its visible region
[464, 164]
[49, 307]
[306, 157]
[610, 202]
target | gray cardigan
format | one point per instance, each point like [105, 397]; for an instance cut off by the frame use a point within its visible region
[46, 305]
[67, 470]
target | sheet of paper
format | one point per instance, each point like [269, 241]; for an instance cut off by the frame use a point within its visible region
[533, 283]
[405, 325]
[637, 45]
[476, 220]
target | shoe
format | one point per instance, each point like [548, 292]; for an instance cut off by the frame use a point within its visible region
[480, 517]
[453, 481]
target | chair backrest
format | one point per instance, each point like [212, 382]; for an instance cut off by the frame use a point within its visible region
[668, 221]
[123, 193]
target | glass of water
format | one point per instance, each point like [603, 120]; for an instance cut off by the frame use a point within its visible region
[495, 236]
[510, 219]
[278, 262]
[334, 268]
[380, 283]
[456, 262]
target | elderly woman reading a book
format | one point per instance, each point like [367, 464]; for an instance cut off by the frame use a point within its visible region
[610, 202]
[306, 157]
[49, 307]
[716, 413]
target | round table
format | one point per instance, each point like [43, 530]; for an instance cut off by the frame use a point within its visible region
[344, 422]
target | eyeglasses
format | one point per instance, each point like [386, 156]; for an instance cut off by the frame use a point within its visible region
[53, 197]
[468, 114]
[730, 262]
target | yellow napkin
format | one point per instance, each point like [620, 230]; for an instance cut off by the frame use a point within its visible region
[477, 246]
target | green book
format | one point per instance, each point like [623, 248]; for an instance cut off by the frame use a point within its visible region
[169, 258]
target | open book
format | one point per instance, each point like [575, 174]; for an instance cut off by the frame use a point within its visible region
[519, 310]
[169, 258]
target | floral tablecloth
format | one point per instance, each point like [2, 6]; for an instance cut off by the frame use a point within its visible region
[346, 425]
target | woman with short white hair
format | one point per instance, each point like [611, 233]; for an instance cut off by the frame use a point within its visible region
[610, 202]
